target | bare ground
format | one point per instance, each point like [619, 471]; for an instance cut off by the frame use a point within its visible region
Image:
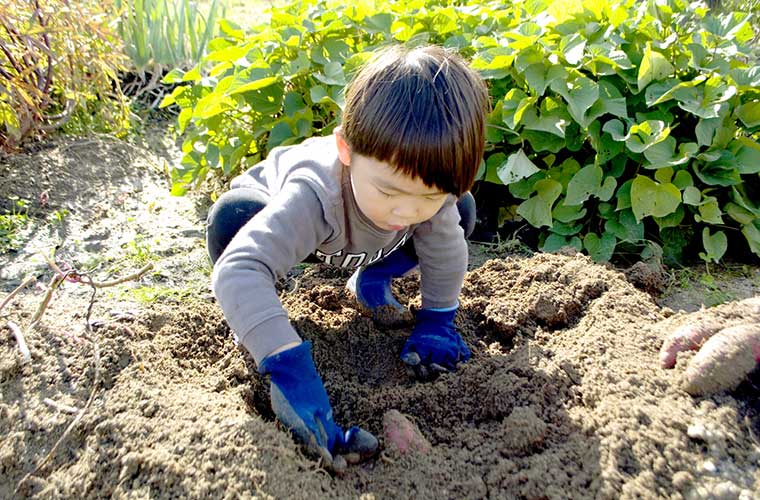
[563, 398]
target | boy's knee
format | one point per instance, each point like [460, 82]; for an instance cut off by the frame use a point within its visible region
[228, 214]
[466, 207]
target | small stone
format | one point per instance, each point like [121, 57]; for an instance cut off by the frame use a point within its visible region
[727, 490]
[697, 431]
[681, 480]
[746, 495]
[709, 466]
[149, 408]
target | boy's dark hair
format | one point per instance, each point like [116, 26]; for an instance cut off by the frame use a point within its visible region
[423, 111]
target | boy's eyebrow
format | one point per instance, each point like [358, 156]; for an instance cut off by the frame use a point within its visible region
[387, 185]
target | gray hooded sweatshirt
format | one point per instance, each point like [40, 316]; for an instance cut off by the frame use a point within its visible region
[312, 210]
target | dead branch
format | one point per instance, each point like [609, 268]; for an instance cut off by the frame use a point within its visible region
[9, 297]
[61, 276]
[61, 118]
[16, 331]
[85, 278]
[60, 406]
[748, 421]
[152, 84]
[74, 275]
[132, 277]
[44, 86]
[55, 281]
[9, 56]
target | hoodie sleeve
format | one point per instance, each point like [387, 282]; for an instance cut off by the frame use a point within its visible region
[285, 232]
[442, 251]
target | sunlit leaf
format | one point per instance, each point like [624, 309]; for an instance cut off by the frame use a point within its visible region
[646, 134]
[709, 212]
[654, 66]
[518, 166]
[555, 242]
[692, 196]
[749, 113]
[652, 198]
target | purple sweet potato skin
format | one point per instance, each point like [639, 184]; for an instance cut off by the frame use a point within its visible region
[686, 338]
[401, 433]
[723, 361]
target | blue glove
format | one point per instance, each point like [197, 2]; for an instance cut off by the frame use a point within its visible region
[300, 402]
[372, 287]
[435, 346]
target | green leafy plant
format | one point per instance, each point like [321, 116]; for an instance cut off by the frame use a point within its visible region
[59, 63]
[620, 128]
[11, 223]
[147, 294]
[139, 251]
[643, 118]
[163, 34]
[58, 217]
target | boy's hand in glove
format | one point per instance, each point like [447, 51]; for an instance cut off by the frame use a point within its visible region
[300, 402]
[435, 346]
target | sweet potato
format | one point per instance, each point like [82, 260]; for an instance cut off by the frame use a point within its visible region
[402, 434]
[686, 338]
[724, 360]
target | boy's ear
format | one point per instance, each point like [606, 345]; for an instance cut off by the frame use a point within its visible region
[344, 150]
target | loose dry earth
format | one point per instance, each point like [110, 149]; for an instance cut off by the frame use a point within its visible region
[563, 398]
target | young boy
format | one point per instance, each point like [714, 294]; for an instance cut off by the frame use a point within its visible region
[386, 192]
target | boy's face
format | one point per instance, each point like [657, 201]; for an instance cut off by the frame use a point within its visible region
[391, 200]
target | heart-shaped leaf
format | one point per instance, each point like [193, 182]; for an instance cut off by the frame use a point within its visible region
[715, 245]
[653, 198]
[537, 210]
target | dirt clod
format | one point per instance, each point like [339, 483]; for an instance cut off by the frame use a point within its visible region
[524, 430]
[647, 276]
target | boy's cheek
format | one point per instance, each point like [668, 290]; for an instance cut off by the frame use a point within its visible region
[434, 209]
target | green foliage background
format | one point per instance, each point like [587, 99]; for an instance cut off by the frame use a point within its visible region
[619, 127]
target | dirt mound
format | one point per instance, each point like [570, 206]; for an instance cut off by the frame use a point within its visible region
[563, 397]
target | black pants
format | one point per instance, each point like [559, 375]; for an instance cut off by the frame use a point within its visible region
[236, 207]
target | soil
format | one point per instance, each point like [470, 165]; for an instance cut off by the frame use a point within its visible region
[564, 396]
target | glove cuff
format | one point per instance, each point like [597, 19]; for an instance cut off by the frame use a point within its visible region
[437, 316]
[294, 360]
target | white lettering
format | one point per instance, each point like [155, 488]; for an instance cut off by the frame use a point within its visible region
[360, 258]
[376, 257]
[399, 244]
[327, 258]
